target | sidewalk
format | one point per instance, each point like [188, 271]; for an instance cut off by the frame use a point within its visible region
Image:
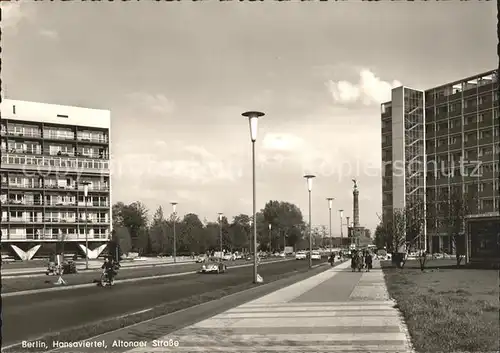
[335, 311]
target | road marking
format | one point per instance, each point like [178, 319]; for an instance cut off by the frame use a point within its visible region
[88, 285]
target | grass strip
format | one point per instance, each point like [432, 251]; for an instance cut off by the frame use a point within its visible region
[447, 310]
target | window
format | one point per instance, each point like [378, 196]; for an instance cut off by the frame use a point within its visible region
[470, 103]
[62, 116]
[484, 134]
[442, 126]
[454, 123]
[470, 120]
[486, 204]
[453, 140]
[480, 118]
[481, 187]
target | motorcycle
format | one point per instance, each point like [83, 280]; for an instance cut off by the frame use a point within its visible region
[108, 276]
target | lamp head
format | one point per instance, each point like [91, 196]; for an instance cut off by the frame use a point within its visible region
[270, 226]
[330, 202]
[220, 216]
[174, 206]
[309, 179]
[253, 118]
[341, 213]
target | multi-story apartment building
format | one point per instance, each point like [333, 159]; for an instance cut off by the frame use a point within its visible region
[49, 152]
[440, 142]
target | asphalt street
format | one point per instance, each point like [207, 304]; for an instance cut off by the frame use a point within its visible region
[30, 316]
[16, 284]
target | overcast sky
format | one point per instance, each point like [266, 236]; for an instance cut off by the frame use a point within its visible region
[177, 76]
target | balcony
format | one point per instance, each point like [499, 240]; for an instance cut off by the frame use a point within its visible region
[92, 139]
[22, 186]
[94, 187]
[38, 152]
[59, 220]
[54, 164]
[61, 203]
[24, 202]
[51, 236]
[25, 134]
[93, 204]
[22, 220]
[94, 220]
[59, 135]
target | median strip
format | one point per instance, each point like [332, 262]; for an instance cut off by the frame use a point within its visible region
[88, 285]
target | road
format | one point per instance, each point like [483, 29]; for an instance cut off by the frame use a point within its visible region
[22, 283]
[30, 316]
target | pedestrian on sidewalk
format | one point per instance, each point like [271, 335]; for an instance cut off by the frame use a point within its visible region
[331, 259]
[368, 261]
[354, 260]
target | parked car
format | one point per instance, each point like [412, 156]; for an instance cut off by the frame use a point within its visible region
[300, 255]
[213, 267]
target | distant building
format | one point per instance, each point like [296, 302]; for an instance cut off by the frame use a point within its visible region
[48, 152]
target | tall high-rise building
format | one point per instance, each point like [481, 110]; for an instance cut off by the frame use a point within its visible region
[440, 142]
[52, 155]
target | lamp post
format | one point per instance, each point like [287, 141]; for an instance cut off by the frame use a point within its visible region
[309, 179]
[330, 204]
[85, 196]
[220, 234]
[174, 209]
[348, 226]
[341, 212]
[253, 119]
[270, 233]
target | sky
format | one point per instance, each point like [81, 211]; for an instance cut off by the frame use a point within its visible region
[177, 76]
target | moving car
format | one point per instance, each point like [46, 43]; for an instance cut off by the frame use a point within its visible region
[315, 255]
[300, 255]
[201, 259]
[213, 267]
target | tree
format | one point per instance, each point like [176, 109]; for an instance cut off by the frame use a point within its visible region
[380, 236]
[239, 231]
[407, 232]
[135, 218]
[211, 236]
[284, 217]
[120, 239]
[455, 209]
[158, 232]
[191, 233]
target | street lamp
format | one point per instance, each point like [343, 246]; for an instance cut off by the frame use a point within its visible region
[220, 234]
[85, 196]
[341, 212]
[174, 209]
[309, 179]
[270, 239]
[348, 226]
[253, 119]
[330, 204]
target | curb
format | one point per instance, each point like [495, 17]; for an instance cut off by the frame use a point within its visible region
[129, 280]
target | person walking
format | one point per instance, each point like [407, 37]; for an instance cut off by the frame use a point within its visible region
[368, 261]
[354, 259]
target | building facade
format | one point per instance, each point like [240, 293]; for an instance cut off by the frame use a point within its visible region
[440, 142]
[49, 152]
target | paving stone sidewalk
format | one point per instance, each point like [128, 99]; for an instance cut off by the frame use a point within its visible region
[334, 311]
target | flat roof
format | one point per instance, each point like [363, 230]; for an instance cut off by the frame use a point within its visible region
[55, 114]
